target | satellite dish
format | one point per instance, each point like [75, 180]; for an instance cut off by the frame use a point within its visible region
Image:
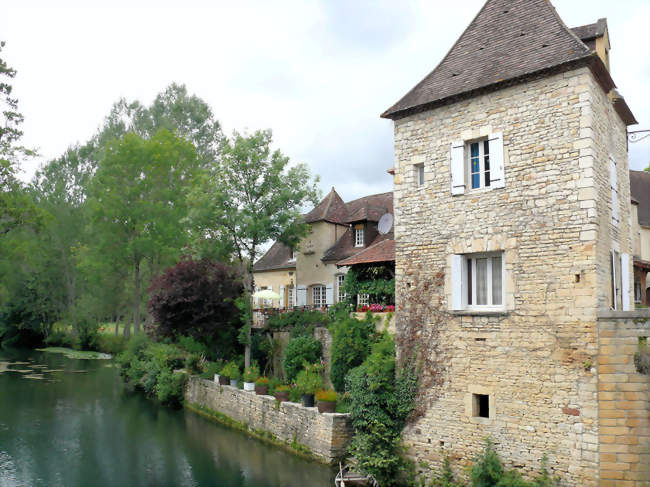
[385, 223]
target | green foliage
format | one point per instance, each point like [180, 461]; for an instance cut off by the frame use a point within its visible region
[211, 368]
[310, 379]
[110, 343]
[298, 351]
[299, 322]
[150, 366]
[326, 396]
[487, 469]
[380, 402]
[642, 357]
[376, 281]
[231, 370]
[192, 345]
[194, 363]
[294, 394]
[251, 373]
[351, 342]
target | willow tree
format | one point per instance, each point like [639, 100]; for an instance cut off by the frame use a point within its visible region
[253, 196]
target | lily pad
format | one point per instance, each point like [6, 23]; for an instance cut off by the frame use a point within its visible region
[78, 354]
[33, 376]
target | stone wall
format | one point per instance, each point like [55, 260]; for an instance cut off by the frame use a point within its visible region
[532, 358]
[325, 435]
[623, 401]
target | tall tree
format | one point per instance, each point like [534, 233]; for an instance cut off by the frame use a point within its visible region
[16, 208]
[137, 200]
[252, 197]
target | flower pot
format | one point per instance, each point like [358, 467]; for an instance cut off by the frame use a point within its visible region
[233, 382]
[307, 400]
[216, 378]
[261, 389]
[223, 380]
[249, 386]
[326, 407]
[282, 396]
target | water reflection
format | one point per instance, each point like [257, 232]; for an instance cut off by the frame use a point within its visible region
[79, 427]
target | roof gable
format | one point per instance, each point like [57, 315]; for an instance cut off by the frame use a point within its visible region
[506, 40]
[331, 209]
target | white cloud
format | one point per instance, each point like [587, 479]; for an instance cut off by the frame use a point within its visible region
[317, 73]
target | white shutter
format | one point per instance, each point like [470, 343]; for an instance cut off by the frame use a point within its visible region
[625, 281]
[456, 282]
[329, 294]
[281, 297]
[613, 259]
[497, 173]
[302, 296]
[457, 167]
[614, 186]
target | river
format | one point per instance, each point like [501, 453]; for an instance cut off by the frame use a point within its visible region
[70, 422]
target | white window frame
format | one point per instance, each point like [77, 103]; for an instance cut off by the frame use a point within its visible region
[340, 278]
[293, 255]
[471, 261]
[318, 291]
[291, 296]
[358, 237]
[484, 181]
[363, 300]
[419, 174]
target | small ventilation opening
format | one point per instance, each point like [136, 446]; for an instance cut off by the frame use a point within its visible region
[544, 45]
[577, 277]
[481, 405]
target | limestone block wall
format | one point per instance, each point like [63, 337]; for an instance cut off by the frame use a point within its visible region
[623, 401]
[534, 359]
[325, 435]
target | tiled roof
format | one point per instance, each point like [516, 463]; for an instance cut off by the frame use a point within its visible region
[507, 40]
[381, 250]
[640, 190]
[590, 31]
[277, 257]
[342, 248]
[331, 209]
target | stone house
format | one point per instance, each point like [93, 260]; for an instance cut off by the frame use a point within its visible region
[640, 190]
[511, 196]
[312, 274]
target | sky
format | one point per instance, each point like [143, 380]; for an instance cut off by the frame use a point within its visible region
[318, 73]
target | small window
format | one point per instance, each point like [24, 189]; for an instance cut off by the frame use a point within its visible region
[293, 255]
[340, 279]
[358, 236]
[419, 174]
[481, 405]
[479, 164]
[291, 301]
[318, 298]
[484, 280]
[363, 300]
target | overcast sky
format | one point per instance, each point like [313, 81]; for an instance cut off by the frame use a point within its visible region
[318, 73]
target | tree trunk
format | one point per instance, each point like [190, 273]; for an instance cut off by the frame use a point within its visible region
[117, 325]
[247, 350]
[136, 314]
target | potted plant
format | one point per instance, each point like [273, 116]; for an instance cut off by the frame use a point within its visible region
[308, 381]
[250, 376]
[282, 393]
[262, 386]
[326, 401]
[224, 378]
[235, 374]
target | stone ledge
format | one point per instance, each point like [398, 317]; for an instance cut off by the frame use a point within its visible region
[610, 314]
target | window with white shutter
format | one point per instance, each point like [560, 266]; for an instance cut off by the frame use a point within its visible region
[625, 281]
[478, 282]
[477, 164]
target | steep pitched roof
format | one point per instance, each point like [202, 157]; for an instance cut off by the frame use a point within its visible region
[331, 209]
[507, 40]
[640, 190]
[277, 257]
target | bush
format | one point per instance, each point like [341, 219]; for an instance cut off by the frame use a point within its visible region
[326, 396]
[194, 363]
[380, 402]
[262, 381]
[111, 344]
[59, 338]
[170, 387]
[252, 373]
[195, 298]
[299, 350]
[191, 345]
[231, 370]
[211, 368]
[351, 342]
[300, 322]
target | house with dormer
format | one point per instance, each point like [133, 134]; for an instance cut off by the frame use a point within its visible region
[512, 196]
[312, 274]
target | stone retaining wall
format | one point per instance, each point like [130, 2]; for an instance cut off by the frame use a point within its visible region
[623, 401]
[325, 435]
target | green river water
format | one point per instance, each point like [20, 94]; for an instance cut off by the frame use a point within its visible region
[70, 422]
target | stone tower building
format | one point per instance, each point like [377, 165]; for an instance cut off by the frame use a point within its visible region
[512, 190]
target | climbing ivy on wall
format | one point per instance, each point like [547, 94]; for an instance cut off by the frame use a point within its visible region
[377, 281]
